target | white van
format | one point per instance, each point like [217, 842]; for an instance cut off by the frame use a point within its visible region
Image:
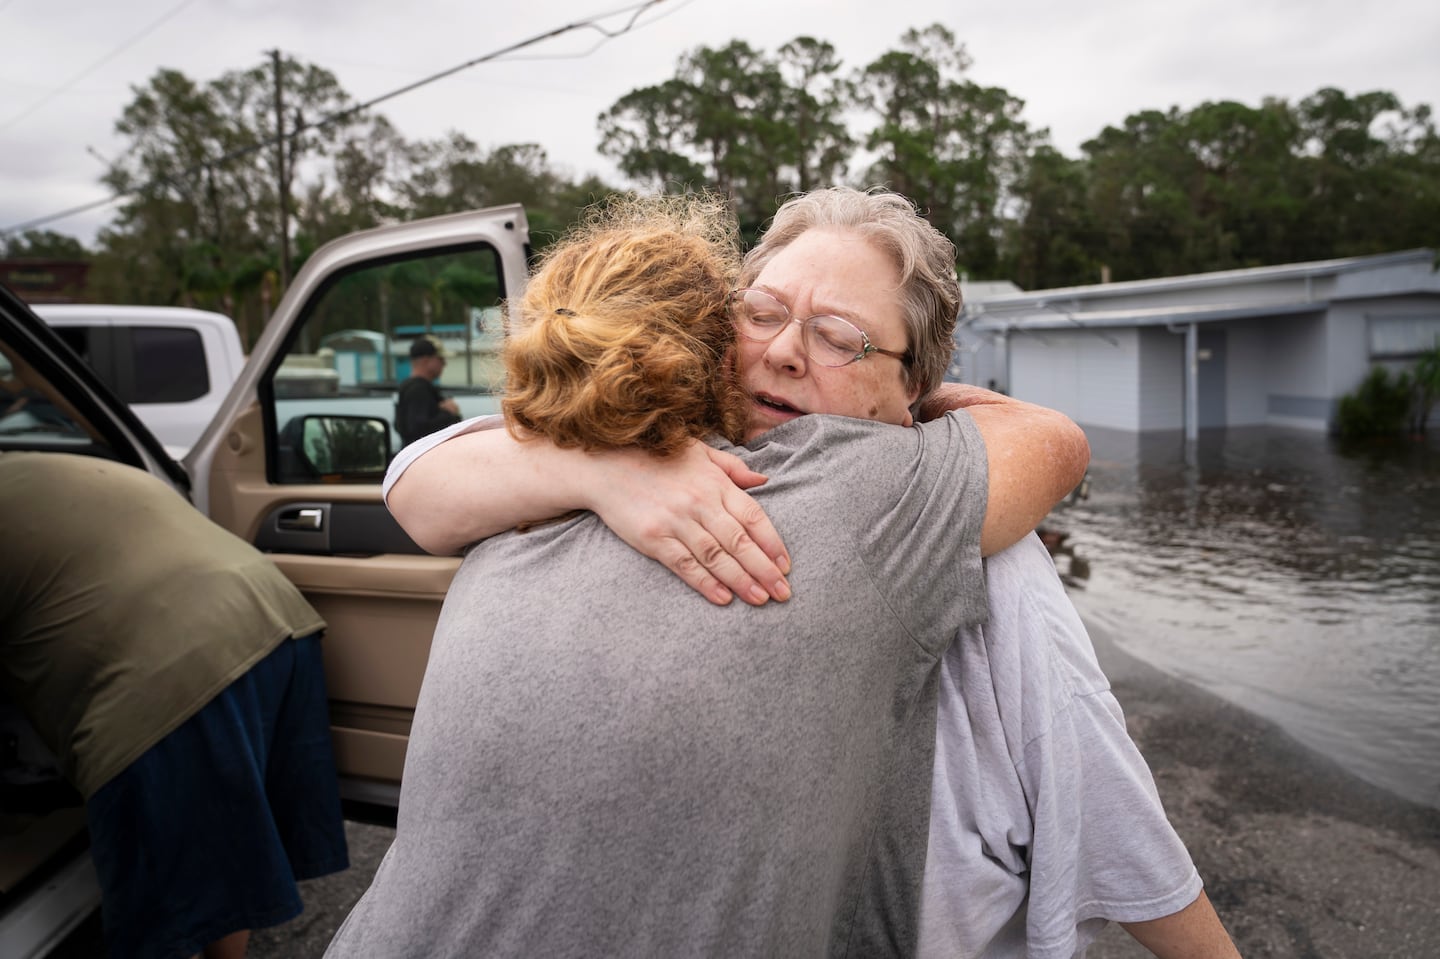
[172, 365]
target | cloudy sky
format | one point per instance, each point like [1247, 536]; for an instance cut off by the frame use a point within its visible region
[69, 66]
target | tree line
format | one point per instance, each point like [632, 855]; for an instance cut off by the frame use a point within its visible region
[1166, 192]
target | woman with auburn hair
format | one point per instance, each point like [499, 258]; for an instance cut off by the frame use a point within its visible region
[625, 330]
[604, 763]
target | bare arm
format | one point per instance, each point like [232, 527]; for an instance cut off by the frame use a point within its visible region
[1036, 456]
[1194, 932]
[689, 513]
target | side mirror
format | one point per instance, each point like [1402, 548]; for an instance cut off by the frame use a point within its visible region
[341, 449]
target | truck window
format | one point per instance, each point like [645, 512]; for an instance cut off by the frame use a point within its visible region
[160, 365]
[351, 352]
[78, 338]
[95, 345]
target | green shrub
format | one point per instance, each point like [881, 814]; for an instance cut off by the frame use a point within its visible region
[1380, 405]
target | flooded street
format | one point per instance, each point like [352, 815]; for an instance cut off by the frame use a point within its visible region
[1283, 571]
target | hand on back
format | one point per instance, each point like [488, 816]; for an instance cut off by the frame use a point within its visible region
[691, 513]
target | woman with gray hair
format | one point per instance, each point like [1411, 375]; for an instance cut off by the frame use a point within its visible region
[1044, 821]
[930, 291]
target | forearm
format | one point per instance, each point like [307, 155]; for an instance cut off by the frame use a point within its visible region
[1036, 457]
[960, 396]
[1194, 932]
[689, 512]
[478, 484]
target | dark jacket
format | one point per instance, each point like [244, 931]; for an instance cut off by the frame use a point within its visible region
[418, 412]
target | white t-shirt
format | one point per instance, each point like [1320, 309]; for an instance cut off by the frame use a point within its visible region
[1044, 821]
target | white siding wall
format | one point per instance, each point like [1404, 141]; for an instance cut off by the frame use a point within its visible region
[1348, 336]
[977, 360]
[1162, 379]
[1246, 372]
[1297, 382]
[1090, 377]
[1044, 372]
[1295, 355]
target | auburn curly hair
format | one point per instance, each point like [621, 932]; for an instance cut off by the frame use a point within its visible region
[625, 337]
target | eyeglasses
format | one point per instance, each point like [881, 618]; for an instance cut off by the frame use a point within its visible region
[828, 340]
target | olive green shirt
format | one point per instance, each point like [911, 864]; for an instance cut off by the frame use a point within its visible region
[123, 610]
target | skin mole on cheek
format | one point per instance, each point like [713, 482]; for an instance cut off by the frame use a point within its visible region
[874, 412]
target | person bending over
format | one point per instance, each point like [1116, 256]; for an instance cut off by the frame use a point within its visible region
[176, 675]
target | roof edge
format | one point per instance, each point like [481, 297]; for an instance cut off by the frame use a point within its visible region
[1219, 277]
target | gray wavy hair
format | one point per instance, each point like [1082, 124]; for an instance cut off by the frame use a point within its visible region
[929, 288]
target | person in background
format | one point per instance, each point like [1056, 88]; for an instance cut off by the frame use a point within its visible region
[420, 408]
[176, 675]
[1044, 822]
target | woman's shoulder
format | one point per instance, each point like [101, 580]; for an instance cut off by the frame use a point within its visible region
[829, 431]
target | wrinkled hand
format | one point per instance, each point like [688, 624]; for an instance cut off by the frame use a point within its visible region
[690, 512]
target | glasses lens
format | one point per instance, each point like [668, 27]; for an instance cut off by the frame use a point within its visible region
[831, 341]
[758, 315]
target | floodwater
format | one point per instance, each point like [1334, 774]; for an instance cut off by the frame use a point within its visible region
[1291, 574]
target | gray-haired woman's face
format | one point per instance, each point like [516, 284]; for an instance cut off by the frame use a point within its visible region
[837, 272]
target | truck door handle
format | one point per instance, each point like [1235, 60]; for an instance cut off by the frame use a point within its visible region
[307, 518]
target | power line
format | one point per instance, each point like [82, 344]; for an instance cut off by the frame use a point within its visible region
[591, 23]
[96, 65]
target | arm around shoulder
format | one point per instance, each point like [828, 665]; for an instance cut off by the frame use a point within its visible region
[689, 512]
[1036, 457]
[477, 484]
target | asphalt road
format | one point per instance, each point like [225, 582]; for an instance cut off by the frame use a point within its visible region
[1301, 859]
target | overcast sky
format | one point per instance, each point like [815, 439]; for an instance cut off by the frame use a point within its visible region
[70, 66]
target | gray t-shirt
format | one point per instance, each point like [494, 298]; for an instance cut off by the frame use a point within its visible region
[603, 763]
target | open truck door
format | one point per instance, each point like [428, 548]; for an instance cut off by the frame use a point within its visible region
[294, 459]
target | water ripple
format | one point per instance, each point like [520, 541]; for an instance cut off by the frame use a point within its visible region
[1290, 573]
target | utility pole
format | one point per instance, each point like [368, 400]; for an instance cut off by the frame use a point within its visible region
[284, 181]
